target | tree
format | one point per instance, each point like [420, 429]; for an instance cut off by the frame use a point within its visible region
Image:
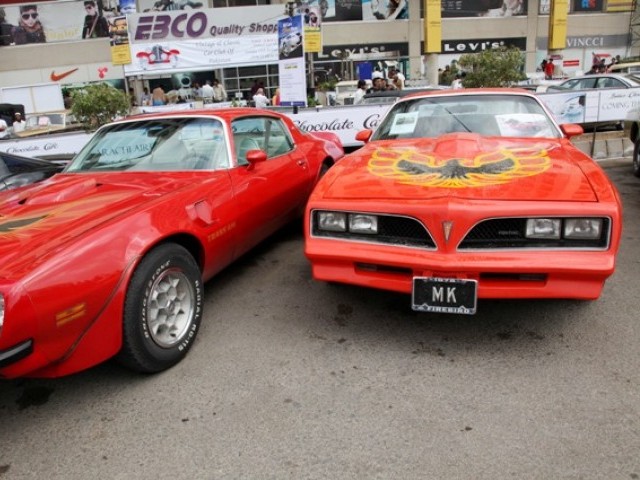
[98, 104]
[498, 67]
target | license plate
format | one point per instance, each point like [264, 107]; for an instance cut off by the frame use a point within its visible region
[444, 295]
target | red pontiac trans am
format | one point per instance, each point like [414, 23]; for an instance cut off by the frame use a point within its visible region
[466, 194]
[108, 258]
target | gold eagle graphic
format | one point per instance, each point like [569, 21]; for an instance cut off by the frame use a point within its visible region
[410, 166]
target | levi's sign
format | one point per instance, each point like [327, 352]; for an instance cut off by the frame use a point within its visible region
[475, 46]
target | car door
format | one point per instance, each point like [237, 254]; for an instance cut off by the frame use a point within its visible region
[272, 192]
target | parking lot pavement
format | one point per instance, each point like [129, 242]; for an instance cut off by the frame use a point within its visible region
[610, 145]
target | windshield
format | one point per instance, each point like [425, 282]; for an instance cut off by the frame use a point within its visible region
[166, 144]
[490, 115]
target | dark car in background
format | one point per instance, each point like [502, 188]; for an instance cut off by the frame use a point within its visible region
[16, 171]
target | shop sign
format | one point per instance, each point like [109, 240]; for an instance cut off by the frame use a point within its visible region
[480, 45]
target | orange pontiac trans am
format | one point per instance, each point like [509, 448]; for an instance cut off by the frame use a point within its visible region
[466, 194]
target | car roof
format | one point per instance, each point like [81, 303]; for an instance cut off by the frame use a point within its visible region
[227, 114]
[400, 93]
[471, 91]
[630, 77]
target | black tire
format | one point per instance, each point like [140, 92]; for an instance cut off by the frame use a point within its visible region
[636, 158]
[163, 310]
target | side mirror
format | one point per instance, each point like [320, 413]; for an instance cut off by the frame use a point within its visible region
[256, 156]
[364, 135]
[571, 129]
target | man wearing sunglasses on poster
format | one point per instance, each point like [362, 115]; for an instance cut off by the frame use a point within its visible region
[95, 25]
[29, 29]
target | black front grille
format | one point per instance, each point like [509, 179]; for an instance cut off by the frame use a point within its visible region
[510, 233]
[392, 230]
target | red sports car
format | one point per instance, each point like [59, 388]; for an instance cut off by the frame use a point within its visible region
[466, 194]
[108, 257]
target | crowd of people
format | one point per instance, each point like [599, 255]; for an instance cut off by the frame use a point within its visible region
[600, 65]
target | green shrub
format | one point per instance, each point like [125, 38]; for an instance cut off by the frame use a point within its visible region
[499, 67]
[98, 104]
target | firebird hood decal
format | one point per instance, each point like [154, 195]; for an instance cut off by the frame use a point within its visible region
[463, 166]
[501, 166]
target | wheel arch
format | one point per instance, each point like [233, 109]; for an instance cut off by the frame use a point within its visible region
[188, 241]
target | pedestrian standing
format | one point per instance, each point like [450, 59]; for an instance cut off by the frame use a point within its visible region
[18, 123]
[548, 70]
[219, 93]
[259, 99]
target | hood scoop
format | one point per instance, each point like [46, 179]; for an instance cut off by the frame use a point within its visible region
[62, 192]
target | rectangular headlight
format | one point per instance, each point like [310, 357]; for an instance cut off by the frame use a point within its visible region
[363, 223]
[582, 228]
[543, 228]
[332, 221]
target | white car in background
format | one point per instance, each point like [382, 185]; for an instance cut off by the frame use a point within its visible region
[346, 91]
[597, 81]
[290, 42]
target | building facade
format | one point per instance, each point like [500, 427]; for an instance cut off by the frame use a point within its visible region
[353, 33]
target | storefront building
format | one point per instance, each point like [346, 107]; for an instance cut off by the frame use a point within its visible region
[356, 37]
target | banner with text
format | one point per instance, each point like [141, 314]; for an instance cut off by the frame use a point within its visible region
[173, 57]
[291, 65]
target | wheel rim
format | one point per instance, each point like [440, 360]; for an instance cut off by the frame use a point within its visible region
[170, 308]
[636, 160]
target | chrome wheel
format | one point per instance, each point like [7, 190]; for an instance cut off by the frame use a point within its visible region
[163, 310]
[170, 308]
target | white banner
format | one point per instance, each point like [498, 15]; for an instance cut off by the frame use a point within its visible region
[291, 69]
[65, 144]
[343, 121]
[173, 57]
[588, 106]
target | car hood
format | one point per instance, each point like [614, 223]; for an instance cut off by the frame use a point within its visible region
[463, 165]
[41, 218]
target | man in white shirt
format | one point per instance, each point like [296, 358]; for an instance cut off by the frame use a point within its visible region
[457, 82]
[18, 123]
[359, 95]
[207, 92]
[219, 93]
[260, 100]
[397, 77]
